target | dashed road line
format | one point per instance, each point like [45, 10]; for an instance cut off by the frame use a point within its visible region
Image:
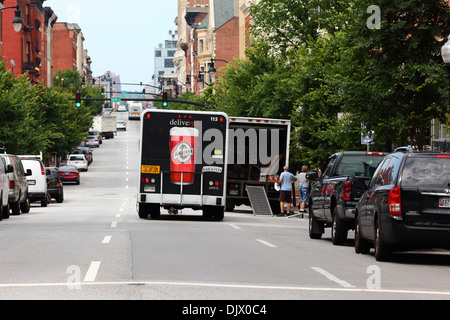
[106, 239]
[332, 277]
[92, 271]
[234, 226]
[114, 224]
[266, 243]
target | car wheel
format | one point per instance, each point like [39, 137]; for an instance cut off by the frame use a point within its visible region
[60, 199]
[25, 206]
[382, 250]
[15, 208]
[44, 202]
[6, 212]
[313, 225]
[361, 245]
[339, 231]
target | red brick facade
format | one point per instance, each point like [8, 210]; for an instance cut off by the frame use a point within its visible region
[64, 47]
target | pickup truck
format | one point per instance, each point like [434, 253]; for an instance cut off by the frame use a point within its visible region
[335, 194]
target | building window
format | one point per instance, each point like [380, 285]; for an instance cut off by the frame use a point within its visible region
[168, 63]
[171, 53]
[28, 52]
[201, 46]
[158, 53]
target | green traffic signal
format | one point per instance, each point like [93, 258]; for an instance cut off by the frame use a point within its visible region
[165, 102]
[78, 99]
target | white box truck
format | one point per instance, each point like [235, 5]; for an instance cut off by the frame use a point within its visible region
[108, 126]
[258, 149]
[183, 162]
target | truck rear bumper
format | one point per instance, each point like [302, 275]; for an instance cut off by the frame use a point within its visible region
[181, 200]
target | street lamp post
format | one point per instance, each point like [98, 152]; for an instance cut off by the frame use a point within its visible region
[17, 21]
[445, 53]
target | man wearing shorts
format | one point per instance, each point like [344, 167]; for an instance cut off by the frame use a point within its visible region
[285, 183]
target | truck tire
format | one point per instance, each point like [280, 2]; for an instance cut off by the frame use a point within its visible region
[339, 231]
[213, 213]
[315, 229]
[15, 208]
[361, 245]
[6, 212]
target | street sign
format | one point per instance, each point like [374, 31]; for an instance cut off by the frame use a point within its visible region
[116, 99]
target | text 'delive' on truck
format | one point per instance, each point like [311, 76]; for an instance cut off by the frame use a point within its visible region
[258, 150]
[183, 162]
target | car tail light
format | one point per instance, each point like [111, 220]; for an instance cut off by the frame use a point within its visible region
[347, 191]
[58, 184]
[394, 201]
[443, 156]
[12, 184]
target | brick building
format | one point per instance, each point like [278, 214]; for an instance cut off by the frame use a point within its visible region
[27, 51]
[206, 29]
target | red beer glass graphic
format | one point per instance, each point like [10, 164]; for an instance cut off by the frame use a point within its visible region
[183, 146]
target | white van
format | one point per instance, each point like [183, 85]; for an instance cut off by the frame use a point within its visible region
[37, 181]
[4, 189]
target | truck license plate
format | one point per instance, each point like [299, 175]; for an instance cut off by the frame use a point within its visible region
[150, 169]
[444, 202]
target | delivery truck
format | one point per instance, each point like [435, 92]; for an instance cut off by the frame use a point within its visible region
[108, 126]
[183, 162]
[258, 149]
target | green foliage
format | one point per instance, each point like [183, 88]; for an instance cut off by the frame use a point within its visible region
[34, 118]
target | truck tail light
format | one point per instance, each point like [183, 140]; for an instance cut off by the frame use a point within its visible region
[12, 184]
[347, 191]
[394, 201]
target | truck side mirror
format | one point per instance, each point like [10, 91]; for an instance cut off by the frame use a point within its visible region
[28, 173]
[312, 175]
[9, 168]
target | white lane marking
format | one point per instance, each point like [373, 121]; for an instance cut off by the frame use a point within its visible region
[92, 271]
[118, 215]
[234, 226]
[223, 285]
[114, 224]
[106, 239]
[266, 243]
[332, 277]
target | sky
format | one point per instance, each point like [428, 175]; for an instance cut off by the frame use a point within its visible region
[120, 36]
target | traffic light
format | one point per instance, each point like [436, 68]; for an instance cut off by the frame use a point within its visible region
[165, 103]
[103, 91]
[143, 92]
[78, 99]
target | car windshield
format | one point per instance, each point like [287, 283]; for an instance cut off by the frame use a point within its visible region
[76, 158]
[91, 137]
[426, 171]
[67, 168]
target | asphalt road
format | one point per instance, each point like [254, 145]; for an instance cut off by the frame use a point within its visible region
[94, 246]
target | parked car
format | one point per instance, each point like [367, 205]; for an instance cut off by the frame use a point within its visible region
[18, 184]
[97, 134]
[37, 181]
[86, 151]
[336, 192]
[406, 205]
[92, 141]
[121, 125]
[69, 173]
[79, 161]
[4, 189]
[54, 184]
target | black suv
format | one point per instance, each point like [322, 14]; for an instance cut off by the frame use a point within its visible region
[406, 206]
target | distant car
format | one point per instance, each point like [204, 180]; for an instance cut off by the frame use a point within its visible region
[69, 173]
[54, 184]
[106, 112]
[121, 125]
[37, 181]
[92, 141]
[87, 153]
[406, 205]
[122, 108]
[18, 184]
[97, 134]
[79, 161]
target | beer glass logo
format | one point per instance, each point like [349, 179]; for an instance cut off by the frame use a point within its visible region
[183, 146]
[183, 152]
